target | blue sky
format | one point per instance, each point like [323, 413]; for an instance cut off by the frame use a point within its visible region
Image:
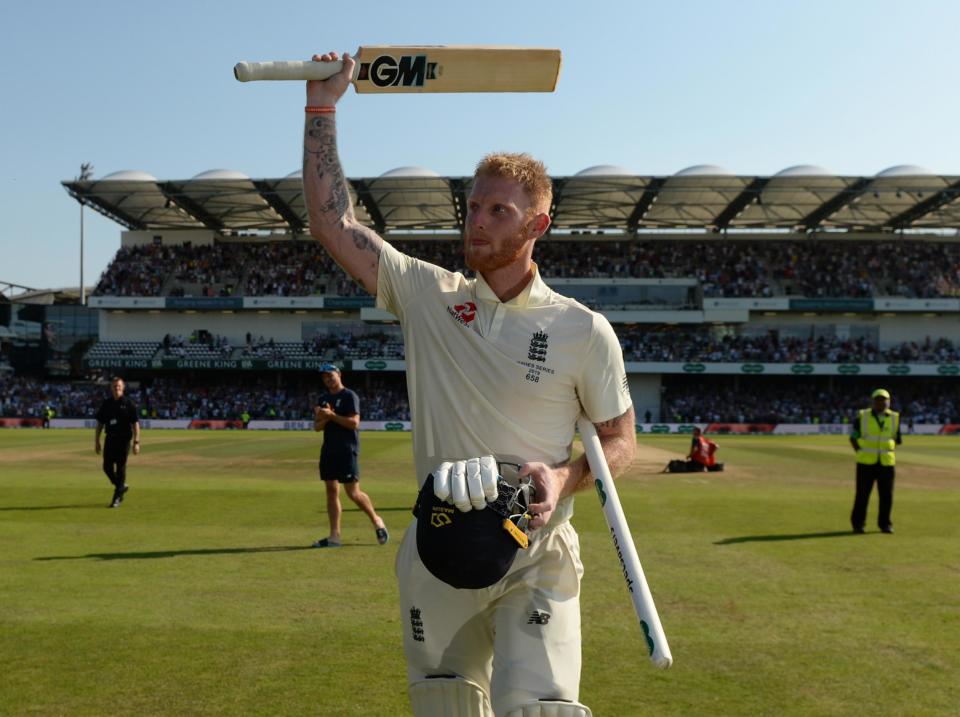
[855, 86]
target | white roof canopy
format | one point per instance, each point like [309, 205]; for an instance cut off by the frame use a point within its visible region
[801, 198]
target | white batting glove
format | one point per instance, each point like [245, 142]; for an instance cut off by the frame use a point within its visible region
[467, 484]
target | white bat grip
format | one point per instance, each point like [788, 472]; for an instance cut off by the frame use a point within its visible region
[294, 70]
[626, 551]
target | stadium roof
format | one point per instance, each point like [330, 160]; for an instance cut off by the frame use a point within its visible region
[802, 198]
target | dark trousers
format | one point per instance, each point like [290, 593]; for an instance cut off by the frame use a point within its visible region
[866, 476]
[115, 452]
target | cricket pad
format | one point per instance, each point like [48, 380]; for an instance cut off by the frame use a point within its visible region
[474, 549]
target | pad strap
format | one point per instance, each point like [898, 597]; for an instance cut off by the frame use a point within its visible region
[550, 708]
[448, 697]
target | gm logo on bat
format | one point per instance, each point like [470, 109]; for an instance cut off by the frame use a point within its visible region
[402, 71]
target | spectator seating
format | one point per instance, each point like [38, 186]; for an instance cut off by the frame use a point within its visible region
[723, 268]
[770, 399]
[123, 349]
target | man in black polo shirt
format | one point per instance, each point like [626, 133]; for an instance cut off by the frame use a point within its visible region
[118, 415]
[338, 416]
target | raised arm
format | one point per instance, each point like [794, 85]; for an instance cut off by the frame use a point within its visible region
[355, 247]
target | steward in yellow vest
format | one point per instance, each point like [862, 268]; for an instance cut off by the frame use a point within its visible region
[878, 436]
[875, 434]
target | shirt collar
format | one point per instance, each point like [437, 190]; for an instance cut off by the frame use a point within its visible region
[535, 293]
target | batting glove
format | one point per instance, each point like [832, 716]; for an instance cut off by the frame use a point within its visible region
[467, 484]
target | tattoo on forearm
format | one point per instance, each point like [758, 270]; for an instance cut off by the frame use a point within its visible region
[363, 239]
[321, 145]
[332, 220]
[618, 439]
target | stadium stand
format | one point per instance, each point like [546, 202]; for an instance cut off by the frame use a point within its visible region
[642, 343]
[690, 400]
[107, 350]
[730, 269]
[665, 343]
[196, 397]
[773, 400]
[734, 297]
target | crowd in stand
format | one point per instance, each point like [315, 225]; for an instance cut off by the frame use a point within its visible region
[180, 346]
[700, 344]
[141, 270]
[293, 268]
[182, 398]
[346, 346]
[640, 344]
[332, 346]
[29, 397]
[684, 400]
[729, 399]
[724, 268]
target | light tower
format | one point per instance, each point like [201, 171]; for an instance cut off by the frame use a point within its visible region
[86, 172]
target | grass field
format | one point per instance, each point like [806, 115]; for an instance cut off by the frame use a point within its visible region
[200, 596]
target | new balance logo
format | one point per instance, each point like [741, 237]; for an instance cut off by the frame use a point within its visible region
[538, 347]
[538, 617]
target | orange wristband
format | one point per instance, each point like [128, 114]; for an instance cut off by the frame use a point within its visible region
[319, 110]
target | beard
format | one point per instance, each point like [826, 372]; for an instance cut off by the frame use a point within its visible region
[509, 251]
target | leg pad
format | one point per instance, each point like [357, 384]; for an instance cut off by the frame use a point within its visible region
[449, 697]
[550, 708]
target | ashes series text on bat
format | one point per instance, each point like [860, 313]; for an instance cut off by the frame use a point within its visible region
[626, 551]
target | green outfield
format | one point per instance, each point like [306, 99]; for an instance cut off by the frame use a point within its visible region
[200, 596]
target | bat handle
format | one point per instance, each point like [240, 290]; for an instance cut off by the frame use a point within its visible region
[294, 70]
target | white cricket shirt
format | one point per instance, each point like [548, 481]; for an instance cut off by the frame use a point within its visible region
[486, 377]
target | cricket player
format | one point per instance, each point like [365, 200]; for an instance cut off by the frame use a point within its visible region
[338, 416]
[499, 367]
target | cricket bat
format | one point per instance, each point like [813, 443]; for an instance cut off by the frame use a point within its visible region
[427, 68]
[637, 586]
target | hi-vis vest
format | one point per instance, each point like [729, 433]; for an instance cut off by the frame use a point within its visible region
[877, 442]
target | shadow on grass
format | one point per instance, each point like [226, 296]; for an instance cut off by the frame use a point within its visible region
[408, 509]
[775, 538]
[175, 553]
[50, 507]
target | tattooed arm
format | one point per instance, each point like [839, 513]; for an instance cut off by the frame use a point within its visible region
[355, 247]
[618, 439]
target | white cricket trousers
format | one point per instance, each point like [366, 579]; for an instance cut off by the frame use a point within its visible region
[519, 639]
